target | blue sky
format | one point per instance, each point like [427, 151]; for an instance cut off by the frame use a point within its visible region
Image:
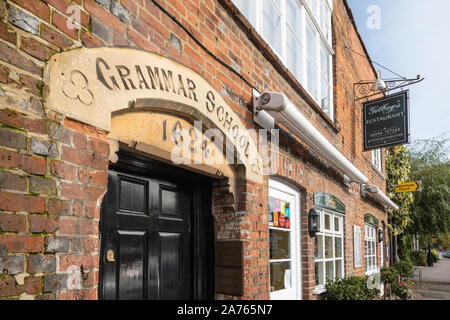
[413, 39]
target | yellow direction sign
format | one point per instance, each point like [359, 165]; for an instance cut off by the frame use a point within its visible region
[414, 186]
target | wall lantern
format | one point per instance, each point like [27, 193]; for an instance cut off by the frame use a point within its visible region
[380, 235]
[314, 222]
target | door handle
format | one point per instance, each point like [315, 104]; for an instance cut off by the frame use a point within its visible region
[110, 256]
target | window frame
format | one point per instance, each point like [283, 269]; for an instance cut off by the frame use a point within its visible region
[320, 287]
[283, 191]
[321, 40]
[370, 236]
[377, 160]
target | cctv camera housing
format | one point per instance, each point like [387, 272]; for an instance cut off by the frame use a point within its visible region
[271, 101]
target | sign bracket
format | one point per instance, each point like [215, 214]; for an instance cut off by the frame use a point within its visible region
[366, 88]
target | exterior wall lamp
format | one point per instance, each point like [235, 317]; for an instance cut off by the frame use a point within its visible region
[380, 235]
[313, 222]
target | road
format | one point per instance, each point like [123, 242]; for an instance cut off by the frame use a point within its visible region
[435, 282]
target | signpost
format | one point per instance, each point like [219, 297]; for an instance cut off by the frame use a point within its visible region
[414, 186]
[386, 121]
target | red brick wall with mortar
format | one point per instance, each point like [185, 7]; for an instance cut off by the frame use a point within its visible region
[54, 169]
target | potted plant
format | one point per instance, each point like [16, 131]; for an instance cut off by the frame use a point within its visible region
[389, 276]
[403, 289]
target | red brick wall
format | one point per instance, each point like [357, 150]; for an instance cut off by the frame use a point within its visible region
[53, 170]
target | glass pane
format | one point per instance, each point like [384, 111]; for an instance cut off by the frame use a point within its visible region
[311, 41]
[325, 18]
[330, 270]
[293, 55]
[280, 276]
[338, 247]
[327, 220]
[279, 244]
[328, 247]
[367, 263]
[324, 64]
[312, 79]
[247, 8]
[278, 2]
[272, 26]
[325, 96]
[337, 225]
[338, 268]
[319, 273]
[318, 242]
[293, 16]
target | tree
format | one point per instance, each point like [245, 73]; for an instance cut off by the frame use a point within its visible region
[430, 163]
[398, 170]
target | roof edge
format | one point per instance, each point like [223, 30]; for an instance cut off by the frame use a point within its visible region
[352, 19]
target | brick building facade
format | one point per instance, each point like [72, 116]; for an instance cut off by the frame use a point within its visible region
[81, 105]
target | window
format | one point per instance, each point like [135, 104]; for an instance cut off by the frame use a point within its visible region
[329, 248]
[299, 32]
[376, 159]
[284, 242]
[370, 248]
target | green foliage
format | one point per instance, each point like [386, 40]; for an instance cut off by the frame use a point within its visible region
[418, 258]
[398, 170]
[389, 275]
[430, 163]
[404, 269]
[352, 288]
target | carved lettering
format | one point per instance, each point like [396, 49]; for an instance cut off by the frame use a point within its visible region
[210, 105]
[124, 73]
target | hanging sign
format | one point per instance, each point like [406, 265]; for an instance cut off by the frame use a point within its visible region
[386, 121]
[414, 186]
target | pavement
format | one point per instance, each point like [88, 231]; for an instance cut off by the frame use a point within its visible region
[435, 282]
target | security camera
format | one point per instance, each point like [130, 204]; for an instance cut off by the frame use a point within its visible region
[271, 101]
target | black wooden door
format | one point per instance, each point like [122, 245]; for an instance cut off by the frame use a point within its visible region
[150, 231]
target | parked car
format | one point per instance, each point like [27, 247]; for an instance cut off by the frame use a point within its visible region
[447, 254]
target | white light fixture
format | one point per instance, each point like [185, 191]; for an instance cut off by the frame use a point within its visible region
[379, 195]
[379, 83]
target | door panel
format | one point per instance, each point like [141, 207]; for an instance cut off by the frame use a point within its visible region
[131, 258]
[150, 226]
[170, 276]
[133, 195]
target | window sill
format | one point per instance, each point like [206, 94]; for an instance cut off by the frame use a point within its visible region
[319, 290]
[378, 172]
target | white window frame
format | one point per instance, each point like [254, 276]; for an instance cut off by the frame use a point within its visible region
[370, 255]
[321, 40]
[283, 192]
[319, 288]
[376, 159]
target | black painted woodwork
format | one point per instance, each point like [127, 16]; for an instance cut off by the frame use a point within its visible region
[156, 219]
